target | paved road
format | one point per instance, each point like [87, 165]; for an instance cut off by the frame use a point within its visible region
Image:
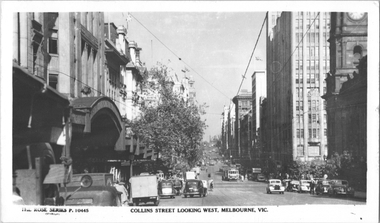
[249, 193]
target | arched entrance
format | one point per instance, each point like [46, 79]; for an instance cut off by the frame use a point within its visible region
[97, 134]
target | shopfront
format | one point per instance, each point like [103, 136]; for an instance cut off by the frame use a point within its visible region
[97, 134]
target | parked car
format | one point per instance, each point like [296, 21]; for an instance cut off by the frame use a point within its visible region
[90, 189]
[249, 174]
[166, 189]
[178, 182]
[261, 177]
[194, 187]
[294, 186]
[275, 185]
[340, 187]
[322, 186]
[304, 186]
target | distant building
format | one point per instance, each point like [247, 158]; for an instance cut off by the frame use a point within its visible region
[243, 103]
[259, 92]
[297, 59]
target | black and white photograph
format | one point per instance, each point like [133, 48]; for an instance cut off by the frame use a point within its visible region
[189, 111]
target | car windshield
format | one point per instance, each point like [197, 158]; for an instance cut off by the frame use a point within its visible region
[232, 172]
[192, 184]
[340, 182]
[275, 182]
[166, 184]
[325, 182]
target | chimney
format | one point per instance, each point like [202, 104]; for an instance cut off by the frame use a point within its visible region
[122, 33]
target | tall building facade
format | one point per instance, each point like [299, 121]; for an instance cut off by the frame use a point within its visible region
[346, 94]
[259, 92]
[243, 103]
[297, 61]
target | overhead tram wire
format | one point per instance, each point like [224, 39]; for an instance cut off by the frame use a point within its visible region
[179, 58]
[253, 51]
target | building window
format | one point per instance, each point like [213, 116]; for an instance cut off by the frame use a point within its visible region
[310, 133]
[325, 132]
[53, 80]
[314, 133]
[298, 133]
[53, 42]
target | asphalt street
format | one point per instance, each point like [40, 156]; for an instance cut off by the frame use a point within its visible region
[250, 193]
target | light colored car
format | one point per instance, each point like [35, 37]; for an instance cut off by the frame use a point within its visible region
[275, 185]
[304, 186]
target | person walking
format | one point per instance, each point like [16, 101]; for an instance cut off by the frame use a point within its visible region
[312, 184]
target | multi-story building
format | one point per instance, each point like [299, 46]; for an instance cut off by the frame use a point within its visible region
[233, 151]
[66, 53]
[297, 59]
[346, 94]
[243, 103]
[246, 138]
[224, 134]
[259, 92]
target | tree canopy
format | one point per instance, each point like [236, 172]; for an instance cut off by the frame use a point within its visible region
[170, 125]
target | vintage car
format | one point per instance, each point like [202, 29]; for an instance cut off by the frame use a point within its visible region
[322, 186]
[194, 187]
[340, 187]
[261, 177]
[90, 189]
[275, 185]
[304, 186]
[166, 189]
[178, 183]
[293, 186]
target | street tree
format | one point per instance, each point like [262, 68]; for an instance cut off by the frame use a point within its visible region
[170, 125]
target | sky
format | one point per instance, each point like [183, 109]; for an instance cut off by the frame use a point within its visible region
[215, 46]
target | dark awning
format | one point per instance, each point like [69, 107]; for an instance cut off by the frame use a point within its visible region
[37, 83]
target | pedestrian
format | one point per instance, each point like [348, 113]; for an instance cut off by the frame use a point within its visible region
[312, 186]
[124, 192]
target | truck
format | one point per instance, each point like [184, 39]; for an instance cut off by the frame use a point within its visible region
[197, 170]
[144, 189]
[190, 175]
[230, 174]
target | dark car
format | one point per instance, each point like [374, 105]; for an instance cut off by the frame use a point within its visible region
[340, 187]
[294, 185]
[194, 187]
[91, 189]
[322, 186]
[166, 189]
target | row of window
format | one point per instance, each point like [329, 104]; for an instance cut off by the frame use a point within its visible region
[313, 105]
[313, 133]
